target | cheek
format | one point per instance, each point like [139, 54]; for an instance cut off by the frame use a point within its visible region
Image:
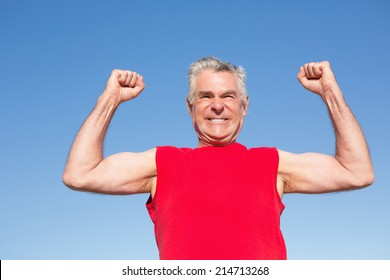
[237, 110]
[198, 111]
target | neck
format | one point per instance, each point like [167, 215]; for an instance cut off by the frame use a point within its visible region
[202, 144]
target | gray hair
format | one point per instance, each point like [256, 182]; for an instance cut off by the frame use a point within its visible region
[217, 65]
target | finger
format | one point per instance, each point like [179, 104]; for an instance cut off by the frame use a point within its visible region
[115, 74]
[132, 80]
[140, 81]
[314, 70]
[301, 74]
[123, 77]
[317, 70]
[325, 68]
[129, 78]
[309, 70]
[117, 77]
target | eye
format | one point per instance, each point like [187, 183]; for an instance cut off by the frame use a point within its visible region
[205, 96]
[228, 96]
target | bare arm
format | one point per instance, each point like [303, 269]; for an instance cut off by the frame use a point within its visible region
[350, 167]
[123, 173]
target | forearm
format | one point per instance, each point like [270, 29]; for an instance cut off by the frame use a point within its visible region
[351, 146]
[87, 149]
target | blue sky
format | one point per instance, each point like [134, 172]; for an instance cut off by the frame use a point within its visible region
[55, 59]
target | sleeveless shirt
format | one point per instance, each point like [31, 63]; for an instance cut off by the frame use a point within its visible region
[217, 203]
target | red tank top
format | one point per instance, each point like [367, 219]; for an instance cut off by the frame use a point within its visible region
[217, 203]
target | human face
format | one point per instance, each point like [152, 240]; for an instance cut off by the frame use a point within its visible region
[217, 109]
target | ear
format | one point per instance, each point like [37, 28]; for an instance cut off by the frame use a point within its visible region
[246, 104]
[189, 107]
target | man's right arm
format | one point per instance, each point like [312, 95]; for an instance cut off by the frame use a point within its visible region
[123, 173]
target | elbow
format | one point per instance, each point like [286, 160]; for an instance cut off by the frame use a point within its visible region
[369, 179]
[365, 180]
[73, 181]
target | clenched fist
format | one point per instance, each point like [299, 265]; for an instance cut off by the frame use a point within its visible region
[124, 85]
[318, 78]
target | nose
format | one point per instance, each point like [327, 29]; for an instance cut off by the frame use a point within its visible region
[217, 106]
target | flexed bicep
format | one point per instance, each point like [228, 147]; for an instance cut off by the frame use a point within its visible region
[314, 173]
[122, 173]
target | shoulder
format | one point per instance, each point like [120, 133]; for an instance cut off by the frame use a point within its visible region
[266, 158]
[171, 148]
[269, 152]
[265, 150]
[170, 155]
[164, 150]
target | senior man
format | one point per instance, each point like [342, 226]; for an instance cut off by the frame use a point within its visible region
[219, 200]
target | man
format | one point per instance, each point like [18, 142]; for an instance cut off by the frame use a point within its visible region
[219, 200]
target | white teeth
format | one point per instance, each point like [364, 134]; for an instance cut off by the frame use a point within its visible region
[217, 120]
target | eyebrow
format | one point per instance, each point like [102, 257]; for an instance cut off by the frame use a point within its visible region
[233, 92]
[224, 93]
[205, 92]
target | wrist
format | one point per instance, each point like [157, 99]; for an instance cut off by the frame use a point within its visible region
[332, 93]
[107, 99]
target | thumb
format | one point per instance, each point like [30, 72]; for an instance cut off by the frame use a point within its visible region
[140, 82]
[302, 76]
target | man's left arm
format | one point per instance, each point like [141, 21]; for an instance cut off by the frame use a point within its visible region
[350, 167]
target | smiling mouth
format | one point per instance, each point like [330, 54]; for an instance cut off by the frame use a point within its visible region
[217, 120]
